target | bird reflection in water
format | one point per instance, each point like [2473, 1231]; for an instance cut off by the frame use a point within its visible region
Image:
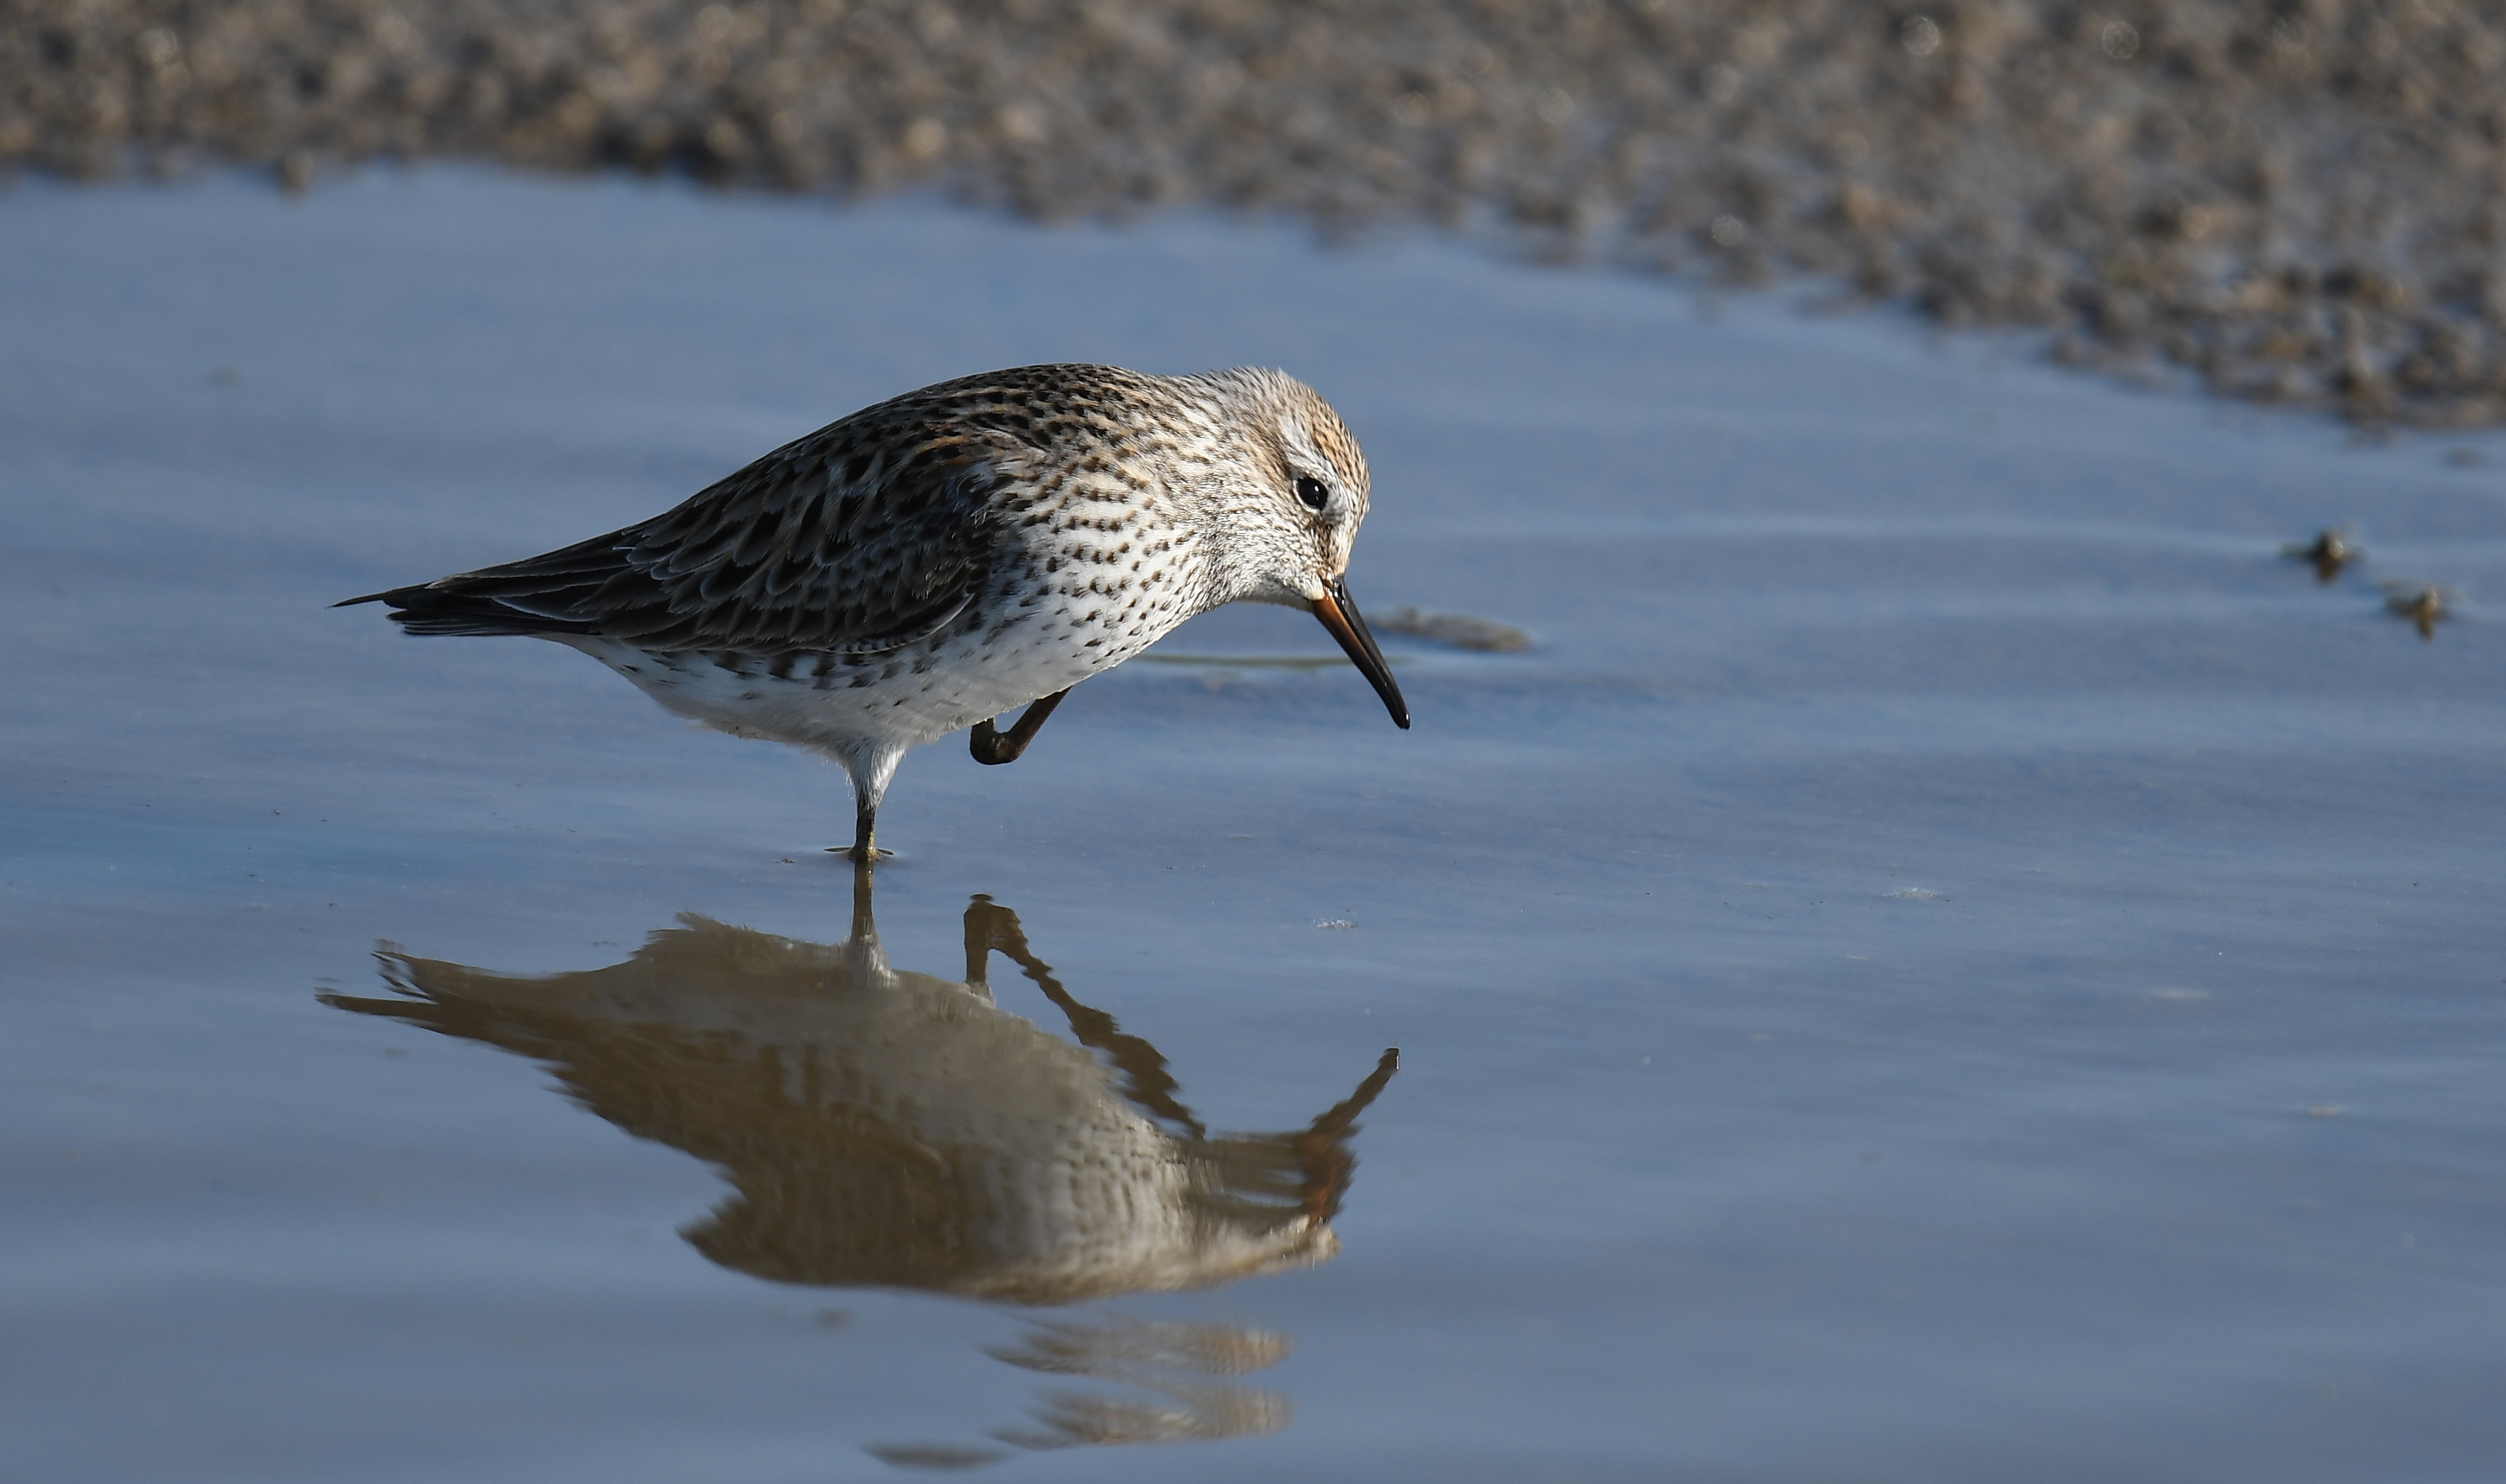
[885, 1127]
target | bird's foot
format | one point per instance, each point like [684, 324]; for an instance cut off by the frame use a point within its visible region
[993, 747]
[862, 854]
[987, 746]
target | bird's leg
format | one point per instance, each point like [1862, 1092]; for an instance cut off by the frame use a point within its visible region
[862, 852]
[865, 815]
[868, 768]
[992, 747]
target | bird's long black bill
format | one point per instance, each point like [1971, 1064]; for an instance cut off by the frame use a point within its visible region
[1348, 626]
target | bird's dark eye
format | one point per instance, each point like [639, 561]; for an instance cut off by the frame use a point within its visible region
[1312, 491]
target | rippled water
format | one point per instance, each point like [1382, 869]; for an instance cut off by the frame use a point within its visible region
[1948, 957]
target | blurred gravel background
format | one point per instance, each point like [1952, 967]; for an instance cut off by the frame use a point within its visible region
[2291, 199]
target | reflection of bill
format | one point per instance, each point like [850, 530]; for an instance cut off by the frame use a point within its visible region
[886, 1127]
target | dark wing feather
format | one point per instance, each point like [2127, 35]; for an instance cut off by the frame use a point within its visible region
[862, 537]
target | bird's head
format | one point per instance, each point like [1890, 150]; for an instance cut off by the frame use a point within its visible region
[1292, 501]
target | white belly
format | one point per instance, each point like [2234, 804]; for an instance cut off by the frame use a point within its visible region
[840, 705]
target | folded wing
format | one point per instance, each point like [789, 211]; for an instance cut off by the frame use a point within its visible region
[862, 537]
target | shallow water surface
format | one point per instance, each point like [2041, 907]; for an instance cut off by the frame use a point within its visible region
[1948, 958]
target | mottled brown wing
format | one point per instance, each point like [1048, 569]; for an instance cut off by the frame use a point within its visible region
[864, 535]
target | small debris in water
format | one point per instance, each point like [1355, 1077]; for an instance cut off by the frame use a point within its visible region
[295, 171]
[2422, 603]
[1334, 925]
[2330, 551]
[1915, 894]
[1460, 631]
[936, 1456]
[2323, 1109]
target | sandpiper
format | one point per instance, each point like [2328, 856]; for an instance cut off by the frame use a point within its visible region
[935, 560]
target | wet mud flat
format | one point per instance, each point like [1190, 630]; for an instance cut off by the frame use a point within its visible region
[1921, 941]
[2289, 201]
